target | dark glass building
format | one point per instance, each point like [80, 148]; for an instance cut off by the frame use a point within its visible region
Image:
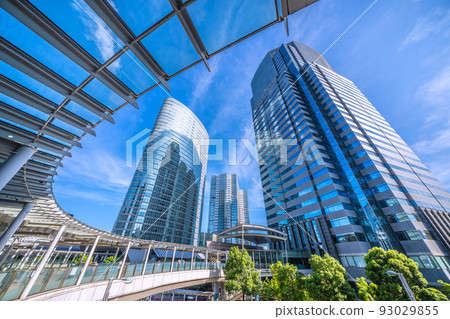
[341, 180]
[165, 197]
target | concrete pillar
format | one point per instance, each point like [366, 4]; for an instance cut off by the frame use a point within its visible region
[15, 224]
[173, 258]
[147, 254]
[14, 163]
[124, 260]
[86, 264]
[42, 263]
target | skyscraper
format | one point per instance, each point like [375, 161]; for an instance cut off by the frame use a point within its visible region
[165, 198]
[342, 180]
[228, 205]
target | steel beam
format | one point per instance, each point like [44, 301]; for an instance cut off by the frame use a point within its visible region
[28, 65]
[112, 19]
[41, 264]
[36, 21]
[83, 271]
[190, 29]
[17, 116]
[40, 103]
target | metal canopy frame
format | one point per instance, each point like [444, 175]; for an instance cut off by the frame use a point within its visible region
[53, 141]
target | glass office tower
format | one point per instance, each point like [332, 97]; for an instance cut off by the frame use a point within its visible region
[336, 177]
[228, 205]
[165, 197]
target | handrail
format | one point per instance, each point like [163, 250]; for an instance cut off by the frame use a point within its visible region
[13, 282]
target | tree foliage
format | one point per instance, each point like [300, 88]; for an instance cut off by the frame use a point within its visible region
[366, 291]
[77, 260]
[329, 280]
[446, 286]
[110, 260]
[240, 273]
[389, 287]
[431, 294]
[287, 283]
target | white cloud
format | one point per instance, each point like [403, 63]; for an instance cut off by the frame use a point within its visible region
[428, 25]
[99, 33]
[203, 81]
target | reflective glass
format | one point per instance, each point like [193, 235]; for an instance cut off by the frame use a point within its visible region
[103, 94]
[29, 83]
[33, 45]
[101, 272]
[17, 285]
[171, 47]
[55, 279]
[132, 72]
[220, 23]
[84, 26]
[82, 112]
[88, 274]
[38, 285]
[139, 15]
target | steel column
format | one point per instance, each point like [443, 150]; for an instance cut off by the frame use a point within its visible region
[42, 263]
[14, 163]
[173, 258]
[19, 218]
[6, 252]
[124, 260]
[147, 254]
[83, 271]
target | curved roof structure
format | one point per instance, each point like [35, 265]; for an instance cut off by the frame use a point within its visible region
[62, 77]
[254, 233]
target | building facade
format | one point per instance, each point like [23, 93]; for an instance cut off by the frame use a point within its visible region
[336, 176]
[164, 200]
[228, 205]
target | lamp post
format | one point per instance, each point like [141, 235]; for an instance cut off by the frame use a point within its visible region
[126, 280]
[404, 283]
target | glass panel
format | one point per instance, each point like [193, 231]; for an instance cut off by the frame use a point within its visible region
[130, 270]
[55, 279]
[30, 83]
[32, 44]
[138, 270]
[139, 15]
[103, 94]
[171, 47]
[149, 268]
[101, 272]
[40, 281]
[4, 277]
[17, 285]
[132, 72]
[82, 112]
[88, 274]
[220, 23]
[84, 26]
[166, 267]
[158, 268]
[72, 277]
[113, 272]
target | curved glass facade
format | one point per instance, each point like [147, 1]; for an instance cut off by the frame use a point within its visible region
[164, 200]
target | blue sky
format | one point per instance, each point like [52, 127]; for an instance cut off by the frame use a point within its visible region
[398, 54]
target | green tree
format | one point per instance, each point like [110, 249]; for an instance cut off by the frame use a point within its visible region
[431, 294]
[287, 283]
[366, 291]
[446, 286]
[240, 273]
[329, 280]
[77, 260]
[389, 287]
[110, 260]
